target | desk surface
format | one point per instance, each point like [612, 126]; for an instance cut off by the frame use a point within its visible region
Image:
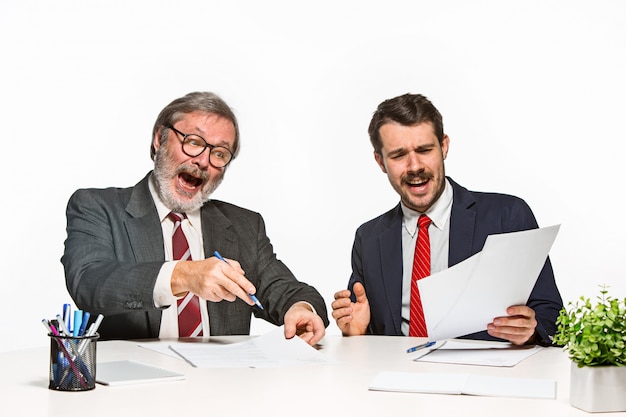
[326, 390]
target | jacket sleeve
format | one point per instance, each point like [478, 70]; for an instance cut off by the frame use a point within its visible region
[102, 274]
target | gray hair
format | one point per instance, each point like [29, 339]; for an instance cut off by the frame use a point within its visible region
[206, 102]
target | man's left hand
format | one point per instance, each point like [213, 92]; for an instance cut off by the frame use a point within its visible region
[518, 327]
[302, 321]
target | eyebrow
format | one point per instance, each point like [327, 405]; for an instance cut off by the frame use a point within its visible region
[419, 148]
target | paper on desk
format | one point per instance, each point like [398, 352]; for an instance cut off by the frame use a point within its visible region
[482, 287]
[476, 352]
[470, 384]
[266, 351]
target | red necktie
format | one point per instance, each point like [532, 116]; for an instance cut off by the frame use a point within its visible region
[421, 269]
[189, 318]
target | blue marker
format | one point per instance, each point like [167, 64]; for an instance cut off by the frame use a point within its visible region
[83, 325]
[78, 321]
[418, 347]
[256, 300]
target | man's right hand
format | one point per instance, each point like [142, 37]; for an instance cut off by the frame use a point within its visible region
[352, 318]
[212, 279]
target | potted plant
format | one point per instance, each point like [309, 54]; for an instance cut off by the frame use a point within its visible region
[595, 338]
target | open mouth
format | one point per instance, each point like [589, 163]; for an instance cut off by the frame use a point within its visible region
[417, 183]
[189, 182]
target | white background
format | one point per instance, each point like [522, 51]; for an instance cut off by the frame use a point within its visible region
[532, 95]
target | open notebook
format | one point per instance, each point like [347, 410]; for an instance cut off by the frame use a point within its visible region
[132, 372]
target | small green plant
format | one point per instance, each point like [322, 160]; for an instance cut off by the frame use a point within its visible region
[594, 335]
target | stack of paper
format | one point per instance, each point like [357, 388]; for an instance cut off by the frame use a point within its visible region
[266, 351]
[475, 352]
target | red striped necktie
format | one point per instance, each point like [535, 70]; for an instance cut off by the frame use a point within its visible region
[189, 318]
[421, 269]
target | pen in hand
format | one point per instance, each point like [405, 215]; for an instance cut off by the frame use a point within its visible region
[256, 300]
[422, 346]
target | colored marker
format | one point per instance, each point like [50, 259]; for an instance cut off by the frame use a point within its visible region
[83, 326]
[78, 321]
[256, 300]
[66, 354]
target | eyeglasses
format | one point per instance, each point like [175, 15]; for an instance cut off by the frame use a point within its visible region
[194, 145]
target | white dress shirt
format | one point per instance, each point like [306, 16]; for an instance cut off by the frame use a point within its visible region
[162, 294]
[439, 233]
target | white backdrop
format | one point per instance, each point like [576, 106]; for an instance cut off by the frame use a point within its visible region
[532, 94]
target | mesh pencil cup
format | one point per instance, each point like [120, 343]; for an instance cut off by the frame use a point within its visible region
[72, 362]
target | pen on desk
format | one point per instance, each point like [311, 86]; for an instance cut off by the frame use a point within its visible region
[422, 346]
[256, 300]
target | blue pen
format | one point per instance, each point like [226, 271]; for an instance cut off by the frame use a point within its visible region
[256, 300]
[422, 346]
[83, 325]
[67, 316]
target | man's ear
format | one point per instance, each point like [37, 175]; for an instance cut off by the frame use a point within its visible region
[379, 160]
[156, 140]
[445, 145]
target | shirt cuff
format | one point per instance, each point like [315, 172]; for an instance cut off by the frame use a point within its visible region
[307, 303]
[162, 293]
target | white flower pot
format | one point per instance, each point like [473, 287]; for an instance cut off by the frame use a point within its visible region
[598, 389]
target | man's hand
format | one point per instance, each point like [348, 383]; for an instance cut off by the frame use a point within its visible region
[212, 279]
[302, 321]
[352, 318]
[518, 327]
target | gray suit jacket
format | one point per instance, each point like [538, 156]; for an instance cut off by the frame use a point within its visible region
[114, 251]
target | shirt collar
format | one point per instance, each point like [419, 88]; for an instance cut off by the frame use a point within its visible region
[439, 212]
[163, 210]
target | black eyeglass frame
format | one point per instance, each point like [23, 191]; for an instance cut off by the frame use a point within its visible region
[206, 145]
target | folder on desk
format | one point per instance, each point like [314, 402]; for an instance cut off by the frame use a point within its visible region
[468, 384]
[132, 372]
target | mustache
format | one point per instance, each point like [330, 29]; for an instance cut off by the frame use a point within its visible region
[194, 172]
[419, 175]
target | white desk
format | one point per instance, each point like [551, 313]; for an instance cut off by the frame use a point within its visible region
[327, 390]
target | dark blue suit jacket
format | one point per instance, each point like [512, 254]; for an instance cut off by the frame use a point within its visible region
[377, 257]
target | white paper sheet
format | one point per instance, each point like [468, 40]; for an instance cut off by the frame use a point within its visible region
[476, 352]
[469, 384]
[266, 351]
[466, 297]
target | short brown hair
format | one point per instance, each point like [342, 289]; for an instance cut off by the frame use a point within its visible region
[407, 110]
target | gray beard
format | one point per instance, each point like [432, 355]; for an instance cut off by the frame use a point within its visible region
[161, 180]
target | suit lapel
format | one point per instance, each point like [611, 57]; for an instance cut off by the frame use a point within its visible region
[143, 227]
[390, 244]
[144, 232]
[462, 220]
[218, 236]
[216, 233]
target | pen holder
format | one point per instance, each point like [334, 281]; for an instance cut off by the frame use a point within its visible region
[73, 363]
